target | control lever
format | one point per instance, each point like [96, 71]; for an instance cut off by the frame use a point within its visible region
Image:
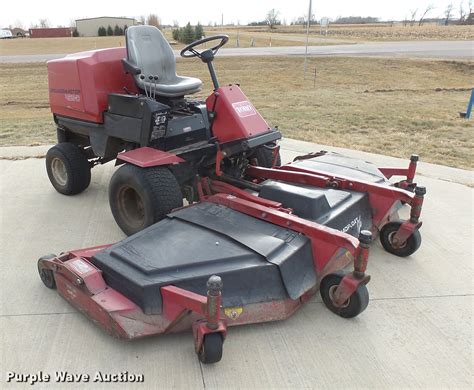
[156, 83]
[142, 77]
[150, 77]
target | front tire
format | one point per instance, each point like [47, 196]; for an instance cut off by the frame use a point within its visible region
[140, 197]
[264, 156]
[68, 169]
[356, 303]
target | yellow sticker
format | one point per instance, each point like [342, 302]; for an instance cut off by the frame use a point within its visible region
[233, 312]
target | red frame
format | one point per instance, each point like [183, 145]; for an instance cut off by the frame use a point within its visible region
[82, 284]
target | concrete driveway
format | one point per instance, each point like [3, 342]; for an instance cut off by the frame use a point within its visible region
[416, 332]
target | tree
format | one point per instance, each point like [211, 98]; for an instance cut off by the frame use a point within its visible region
[175, 24]
[110, 31]
[44, 23]
[413, 16]
[102, 32]
[153, 20]
[428, 9]
[118, 31]
[187, 35]
[447, 13]
[142, 19]
[198, 31]
[272, 18]
[462, 13]
[75, 33]
[18, 24]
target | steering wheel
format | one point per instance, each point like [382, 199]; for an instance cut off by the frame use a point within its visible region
[189, 50]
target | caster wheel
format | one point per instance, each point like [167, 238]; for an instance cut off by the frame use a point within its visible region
[46, 275]
[411, 245]
[211, 350]
[355, 305]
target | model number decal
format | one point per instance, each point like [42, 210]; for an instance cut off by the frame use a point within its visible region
[357, 221]
[244, 108]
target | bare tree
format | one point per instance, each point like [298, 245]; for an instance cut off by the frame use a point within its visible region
[44, 23]
[272, 17]
[428, 9]
[153, 20]
[447, 13]
[18, 24]
[413, 16]
[462, 13]
[142, 19]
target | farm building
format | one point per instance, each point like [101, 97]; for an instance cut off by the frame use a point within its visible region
[58, 32]
[90, 27]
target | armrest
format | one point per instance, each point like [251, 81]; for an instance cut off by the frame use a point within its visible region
[130, 68]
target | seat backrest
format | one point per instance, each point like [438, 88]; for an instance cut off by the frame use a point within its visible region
[149, 50]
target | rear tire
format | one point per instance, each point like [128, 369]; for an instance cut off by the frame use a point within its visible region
[68, 169]
[264, 157]
[140, 197]
[356, 303]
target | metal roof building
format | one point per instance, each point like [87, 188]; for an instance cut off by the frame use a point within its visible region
[90, 27]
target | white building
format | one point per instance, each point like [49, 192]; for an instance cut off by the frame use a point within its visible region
[90, 27]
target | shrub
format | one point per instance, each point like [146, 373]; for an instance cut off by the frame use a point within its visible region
[188, 33]
[102, 31]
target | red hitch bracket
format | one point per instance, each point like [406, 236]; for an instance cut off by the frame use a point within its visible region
[408, 227]
[352, 281]
[177, 301]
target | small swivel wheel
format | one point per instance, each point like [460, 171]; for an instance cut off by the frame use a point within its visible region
[211, 349]
[356, 303]
[408, 248]
[46, 275]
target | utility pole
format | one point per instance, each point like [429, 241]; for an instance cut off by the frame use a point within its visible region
[222, 20]
[307, 39]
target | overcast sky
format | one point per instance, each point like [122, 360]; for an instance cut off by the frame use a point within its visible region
[28, 12]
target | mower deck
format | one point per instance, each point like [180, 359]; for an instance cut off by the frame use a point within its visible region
[273, 246]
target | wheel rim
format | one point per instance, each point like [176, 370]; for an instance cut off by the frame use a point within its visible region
[332, 291]
[397, 246]
[132, 206]
[58, 168]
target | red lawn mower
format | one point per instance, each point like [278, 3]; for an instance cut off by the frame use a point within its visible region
[257, 239]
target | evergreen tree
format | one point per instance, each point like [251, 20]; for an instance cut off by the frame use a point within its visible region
[198, 32]
[110, 31]
[187, 35]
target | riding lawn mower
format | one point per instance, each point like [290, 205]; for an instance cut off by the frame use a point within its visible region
[255, 240]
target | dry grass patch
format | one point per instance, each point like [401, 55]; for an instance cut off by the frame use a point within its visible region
[387, 106]
[373, 32]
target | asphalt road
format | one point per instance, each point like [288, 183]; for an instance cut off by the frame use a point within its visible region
[415, 333]
[415, 49]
